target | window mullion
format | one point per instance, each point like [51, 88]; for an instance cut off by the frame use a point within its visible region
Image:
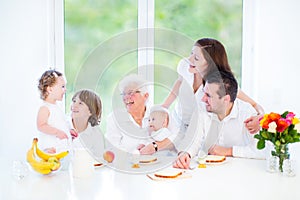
[146, 39]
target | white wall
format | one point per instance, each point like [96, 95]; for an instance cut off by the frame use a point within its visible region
[24, 56]
[275, 47]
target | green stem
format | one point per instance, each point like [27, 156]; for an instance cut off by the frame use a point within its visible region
[282, 152]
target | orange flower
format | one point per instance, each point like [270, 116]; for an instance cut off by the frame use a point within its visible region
[278, 129]
[281, 125]
[274, 116]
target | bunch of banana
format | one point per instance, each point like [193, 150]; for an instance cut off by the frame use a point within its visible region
[46, 163]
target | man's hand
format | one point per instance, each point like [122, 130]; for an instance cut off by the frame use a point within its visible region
[183, 161]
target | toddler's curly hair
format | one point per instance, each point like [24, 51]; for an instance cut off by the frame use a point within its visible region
[48, 79]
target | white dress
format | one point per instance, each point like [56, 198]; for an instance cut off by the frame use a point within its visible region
[57, 119]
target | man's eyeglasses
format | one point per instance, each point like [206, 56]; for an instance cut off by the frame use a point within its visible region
[130, 93]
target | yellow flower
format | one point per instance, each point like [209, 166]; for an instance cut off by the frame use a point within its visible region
[295, 121]
[264, 122]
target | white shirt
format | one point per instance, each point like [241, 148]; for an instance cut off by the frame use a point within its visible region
[233, 132]
[90, 139]
[187, 99]
[160, 134]
[124, 133]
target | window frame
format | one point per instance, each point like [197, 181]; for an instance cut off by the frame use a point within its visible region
[146, 17]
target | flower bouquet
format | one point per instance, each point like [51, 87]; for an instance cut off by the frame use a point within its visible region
[280, 130]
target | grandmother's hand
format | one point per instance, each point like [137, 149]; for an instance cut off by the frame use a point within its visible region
[148, 149]
[140, 146]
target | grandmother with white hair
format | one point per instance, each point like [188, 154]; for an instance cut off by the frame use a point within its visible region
[127, 128]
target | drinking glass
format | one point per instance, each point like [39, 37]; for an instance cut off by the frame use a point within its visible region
[19, 169]
[288, 168]
[272, 164]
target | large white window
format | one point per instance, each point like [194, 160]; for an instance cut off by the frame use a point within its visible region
[107, 39]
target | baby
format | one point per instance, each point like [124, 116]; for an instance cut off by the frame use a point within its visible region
[157, 125]
[51, 120]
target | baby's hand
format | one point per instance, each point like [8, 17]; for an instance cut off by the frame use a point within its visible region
[51, 150]
[61, 135]
[73, 133]
[140, 146]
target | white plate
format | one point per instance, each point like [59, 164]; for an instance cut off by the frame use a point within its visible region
[203, 161]
[147, 159]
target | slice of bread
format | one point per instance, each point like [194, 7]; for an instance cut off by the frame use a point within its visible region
[98, 164]
[147, 159]
[168, 173]
[214, 159]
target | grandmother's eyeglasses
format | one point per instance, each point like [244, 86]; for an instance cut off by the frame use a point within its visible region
[130, 93]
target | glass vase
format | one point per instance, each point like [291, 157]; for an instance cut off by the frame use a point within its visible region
[282, 152]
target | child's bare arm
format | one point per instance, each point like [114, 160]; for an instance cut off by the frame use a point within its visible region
[243, 96]
[252, 123]
[43, 126]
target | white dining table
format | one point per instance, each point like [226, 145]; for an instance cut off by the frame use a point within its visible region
[237, 178]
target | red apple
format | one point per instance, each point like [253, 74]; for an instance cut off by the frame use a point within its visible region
[109, 156]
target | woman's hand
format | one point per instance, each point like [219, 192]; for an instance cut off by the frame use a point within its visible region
[183, 161]
[252, 124]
